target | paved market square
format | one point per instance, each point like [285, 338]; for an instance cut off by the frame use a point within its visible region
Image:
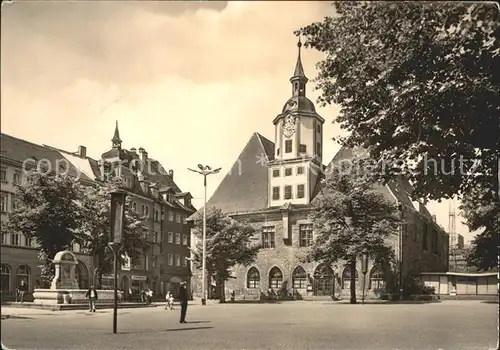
[290, 325]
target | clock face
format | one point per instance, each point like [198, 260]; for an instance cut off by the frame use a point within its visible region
[289, 127]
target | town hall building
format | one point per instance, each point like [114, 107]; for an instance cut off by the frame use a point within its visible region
[275, 193]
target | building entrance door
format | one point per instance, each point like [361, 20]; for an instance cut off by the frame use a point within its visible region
[323, 281]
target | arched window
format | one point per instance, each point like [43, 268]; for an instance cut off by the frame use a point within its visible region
[5, 279]
[253, 278]
[346, 278]
[23, 275]
[299, 278]
[323, 280]
[275, 278]
[376, 278]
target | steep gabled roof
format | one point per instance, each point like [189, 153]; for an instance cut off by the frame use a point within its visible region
[267, 145]
[20, 151]
[244, 188]
[399, 189]
[159, 175]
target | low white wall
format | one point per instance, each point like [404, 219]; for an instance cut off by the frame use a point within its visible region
[71, 296]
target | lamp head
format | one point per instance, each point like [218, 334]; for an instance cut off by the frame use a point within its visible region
[201, 167]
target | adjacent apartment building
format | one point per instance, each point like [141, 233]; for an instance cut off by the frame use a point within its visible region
[154, 194]
[272, 184]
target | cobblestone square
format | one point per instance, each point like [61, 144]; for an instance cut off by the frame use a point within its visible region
[294, 325]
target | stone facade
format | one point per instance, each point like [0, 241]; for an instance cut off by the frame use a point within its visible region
[288, 256]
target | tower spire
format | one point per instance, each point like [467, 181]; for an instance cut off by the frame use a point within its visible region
[299, 78]
[299, 70]
[117, 142]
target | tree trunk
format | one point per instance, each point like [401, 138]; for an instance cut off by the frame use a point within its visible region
[352, 267]
[222, 292]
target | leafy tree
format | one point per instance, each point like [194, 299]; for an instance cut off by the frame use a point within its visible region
[228, 243]
[47, 212]
[351, 215]
[95, 224]
[417, 88]
[482, 212]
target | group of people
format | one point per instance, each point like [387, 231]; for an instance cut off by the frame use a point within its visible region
[182, 297]
[146, 295]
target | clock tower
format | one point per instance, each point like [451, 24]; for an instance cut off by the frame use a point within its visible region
[297, 163]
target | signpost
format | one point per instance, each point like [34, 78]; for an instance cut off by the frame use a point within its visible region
[117, 221]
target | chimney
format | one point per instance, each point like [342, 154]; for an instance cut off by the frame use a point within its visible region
[171, 173]
[82, 151]
[143, 155]
[434, 218]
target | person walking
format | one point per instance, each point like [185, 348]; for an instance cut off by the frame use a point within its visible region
[183, 297]
[22, 289]
[92, 296]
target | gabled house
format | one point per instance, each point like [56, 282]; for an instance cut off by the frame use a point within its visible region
[155, 196]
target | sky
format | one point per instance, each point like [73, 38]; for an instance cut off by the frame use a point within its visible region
[187, 81]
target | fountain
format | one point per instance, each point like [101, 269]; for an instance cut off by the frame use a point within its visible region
[64, 288]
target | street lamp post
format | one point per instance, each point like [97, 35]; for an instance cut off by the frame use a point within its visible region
[364, 270]
[204, 170]
[117, 221]
[400, 248]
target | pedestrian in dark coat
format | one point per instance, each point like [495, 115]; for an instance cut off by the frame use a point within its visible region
[183, 298]
[22, 289]
[92, 296]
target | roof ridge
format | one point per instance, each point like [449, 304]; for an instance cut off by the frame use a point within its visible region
[68, 152]
[23, 140]
[259, 137]
[263, 137]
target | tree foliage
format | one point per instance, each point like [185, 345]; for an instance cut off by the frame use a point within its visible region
[56, 211]
[482, 212]
[47, 212]
[95, 227]
[417, 88]
[229, 242]
[349, 216]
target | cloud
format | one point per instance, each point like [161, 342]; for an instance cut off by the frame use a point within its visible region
[139, 42]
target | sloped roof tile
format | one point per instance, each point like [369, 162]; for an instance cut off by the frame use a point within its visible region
[244, 188]
[399, 188]
[19, 150]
